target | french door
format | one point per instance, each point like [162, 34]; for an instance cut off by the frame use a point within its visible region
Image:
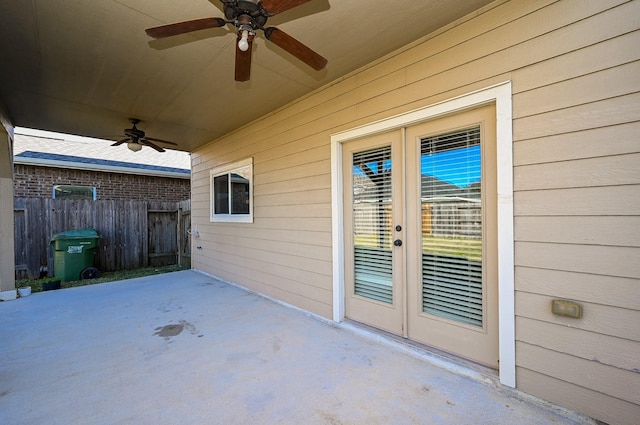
[420, 233]
[373, 206]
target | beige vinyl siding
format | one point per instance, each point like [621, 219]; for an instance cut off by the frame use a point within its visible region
[586, 373]
[621, 139]
[620, 292]
[286, 252]
[575, 72]
[604, 171]
[576, 183]
[611, 201]
[616, 410]
[602, 230]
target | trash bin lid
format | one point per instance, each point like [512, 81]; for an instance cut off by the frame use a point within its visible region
[76, 234]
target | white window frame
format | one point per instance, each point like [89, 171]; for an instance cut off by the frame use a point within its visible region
[500, 94]
[235, 167]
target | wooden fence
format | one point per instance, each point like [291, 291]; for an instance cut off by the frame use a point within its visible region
[439, 219]
[134, 234]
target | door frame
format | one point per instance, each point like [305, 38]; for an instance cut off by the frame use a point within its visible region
[500, 94]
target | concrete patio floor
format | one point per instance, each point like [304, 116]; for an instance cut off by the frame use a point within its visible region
[184, 348]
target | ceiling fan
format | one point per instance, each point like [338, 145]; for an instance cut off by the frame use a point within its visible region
[135, 138]
[248, 16]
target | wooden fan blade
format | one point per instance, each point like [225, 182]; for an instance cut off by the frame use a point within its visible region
[118, 143]
[296, 48]
[146, 142]
[160, 141]
[243, 62]
[185, 27]
[279, 6]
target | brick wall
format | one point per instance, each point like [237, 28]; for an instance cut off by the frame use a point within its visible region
[35, 181]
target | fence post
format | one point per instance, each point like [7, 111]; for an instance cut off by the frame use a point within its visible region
[145, 239]
[179, 233]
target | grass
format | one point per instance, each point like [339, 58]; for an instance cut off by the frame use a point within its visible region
[470, 249]
[36, 284]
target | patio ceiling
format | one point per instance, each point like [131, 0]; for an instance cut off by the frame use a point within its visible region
[85, 67]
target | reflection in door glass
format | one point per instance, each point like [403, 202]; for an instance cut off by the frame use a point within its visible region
[452, 226]
[372, 225]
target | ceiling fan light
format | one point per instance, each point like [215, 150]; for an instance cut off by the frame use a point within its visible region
[243, 43]
[134, 146]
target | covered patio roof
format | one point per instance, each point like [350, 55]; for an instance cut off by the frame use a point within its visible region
[85, 68]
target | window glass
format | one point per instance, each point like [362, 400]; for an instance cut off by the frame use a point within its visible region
[239, 194]
[73, 192]
[221, 192]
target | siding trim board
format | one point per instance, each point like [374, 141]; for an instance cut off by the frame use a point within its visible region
[501, 95]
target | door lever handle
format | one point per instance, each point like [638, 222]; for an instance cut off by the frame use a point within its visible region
[397, 242]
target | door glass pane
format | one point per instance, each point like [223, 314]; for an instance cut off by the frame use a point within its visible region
[372, 225]
[452, 226]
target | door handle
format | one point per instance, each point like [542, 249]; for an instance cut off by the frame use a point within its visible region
[397, 242]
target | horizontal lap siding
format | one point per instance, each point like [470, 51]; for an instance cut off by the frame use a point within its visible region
[620, 139]
[574, 67]
[577, 229]
[286, 252]
[601, 230]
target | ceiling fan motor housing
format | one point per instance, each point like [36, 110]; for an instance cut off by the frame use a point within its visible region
[249, 5]
[252, 9]
[133, 132]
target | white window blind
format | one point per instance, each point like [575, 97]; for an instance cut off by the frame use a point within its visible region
[372, 224]
[452, 226]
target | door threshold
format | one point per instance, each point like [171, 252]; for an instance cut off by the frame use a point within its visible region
[437, 357]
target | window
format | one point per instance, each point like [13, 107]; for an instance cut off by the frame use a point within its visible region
[232, 192]
[61, 191]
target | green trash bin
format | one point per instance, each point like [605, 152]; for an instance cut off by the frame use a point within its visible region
[74, 252]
